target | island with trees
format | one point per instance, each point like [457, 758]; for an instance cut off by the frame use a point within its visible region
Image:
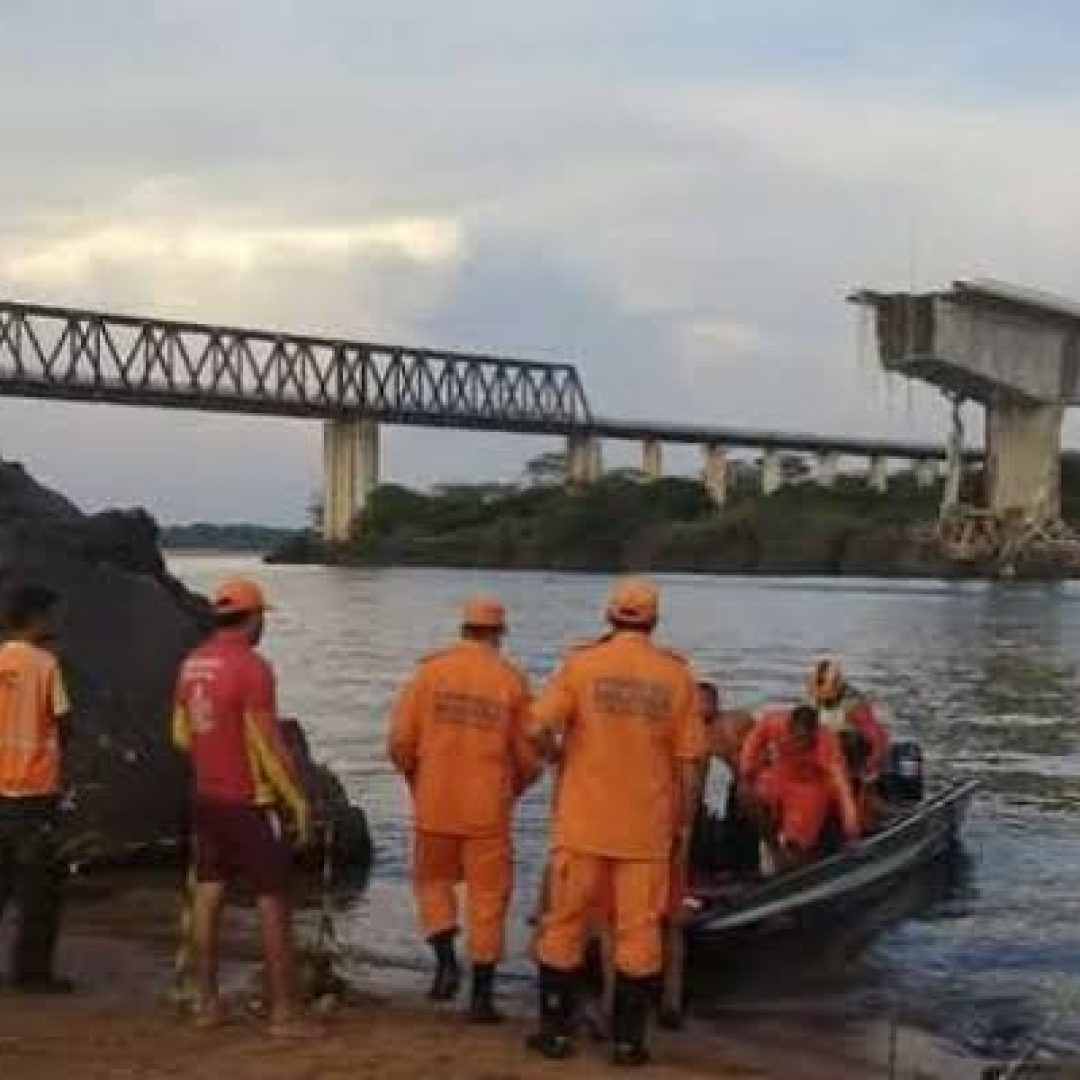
[624, 521]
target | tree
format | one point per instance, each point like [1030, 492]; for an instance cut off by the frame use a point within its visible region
[546, 470]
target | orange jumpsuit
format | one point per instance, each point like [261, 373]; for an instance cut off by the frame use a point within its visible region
[628, 716]
[856, 714]
[458, 736]
[800, 786]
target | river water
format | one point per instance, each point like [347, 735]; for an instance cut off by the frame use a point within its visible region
[984, 676]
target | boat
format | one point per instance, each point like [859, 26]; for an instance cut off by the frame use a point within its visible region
[913, 839]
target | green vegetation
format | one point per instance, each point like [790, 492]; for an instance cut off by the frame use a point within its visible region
[205, 537]
[622, 522]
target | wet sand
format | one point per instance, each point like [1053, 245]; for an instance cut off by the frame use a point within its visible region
[121, 1025]
[95, 1041]
[95, 1037]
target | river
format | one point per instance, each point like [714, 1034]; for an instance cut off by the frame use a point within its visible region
[984, 676]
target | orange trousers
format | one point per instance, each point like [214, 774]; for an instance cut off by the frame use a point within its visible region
[441, 862]
[799, 806]
[579, 885]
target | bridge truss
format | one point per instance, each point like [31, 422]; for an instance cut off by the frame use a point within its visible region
[72, 355]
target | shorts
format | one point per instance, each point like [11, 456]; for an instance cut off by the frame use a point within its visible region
[241, 844]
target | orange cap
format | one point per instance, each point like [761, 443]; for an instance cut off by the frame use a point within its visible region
[484, 613]
[635, 602]
[239, 596]
[826, 681]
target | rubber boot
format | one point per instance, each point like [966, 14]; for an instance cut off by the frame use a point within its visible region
[557, 1009]
[633, 998]
[447, 981]
[482, 1004]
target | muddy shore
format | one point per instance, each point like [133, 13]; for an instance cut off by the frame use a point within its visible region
[119, 946]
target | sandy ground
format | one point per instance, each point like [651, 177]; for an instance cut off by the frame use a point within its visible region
[104, 1035]
[378, 1040]
[121, 1025]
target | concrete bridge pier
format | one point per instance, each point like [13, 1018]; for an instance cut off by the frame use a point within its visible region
[926, 474]
[878, 475]
[828, 468]
[772, 472]
[652, 459]
[584, 460]
[1023, 458]
[350, 473]
[715, 474]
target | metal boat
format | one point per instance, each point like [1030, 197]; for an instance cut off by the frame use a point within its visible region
[913, 838]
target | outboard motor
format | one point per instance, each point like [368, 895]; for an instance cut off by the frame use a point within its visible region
[903, 779]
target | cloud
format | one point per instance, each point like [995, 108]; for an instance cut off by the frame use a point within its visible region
[677, 200]
[71, 258]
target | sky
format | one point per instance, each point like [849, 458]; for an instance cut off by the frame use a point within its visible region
[675, 195]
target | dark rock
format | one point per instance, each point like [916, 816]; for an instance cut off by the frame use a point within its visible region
[125, 626]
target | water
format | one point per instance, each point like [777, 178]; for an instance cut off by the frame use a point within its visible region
[984, 676]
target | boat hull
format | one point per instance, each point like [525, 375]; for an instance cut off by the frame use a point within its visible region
[830, 890]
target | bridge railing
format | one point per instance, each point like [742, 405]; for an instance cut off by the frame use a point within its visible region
[61, 353]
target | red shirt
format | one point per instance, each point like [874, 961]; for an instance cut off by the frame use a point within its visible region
[226, 716]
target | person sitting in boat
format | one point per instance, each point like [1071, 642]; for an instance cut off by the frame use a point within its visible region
[793, 777]
[725, 837]
[851, 717]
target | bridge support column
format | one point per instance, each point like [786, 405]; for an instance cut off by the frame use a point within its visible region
[584, 460]
[828, 468]
[715, 474]
[878, 475]
[926, 474]
[772, 473]
[350, 474]
[652, 459]
[1023, 459]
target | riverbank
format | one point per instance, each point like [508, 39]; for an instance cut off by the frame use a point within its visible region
[121, 1024]
[671, 525]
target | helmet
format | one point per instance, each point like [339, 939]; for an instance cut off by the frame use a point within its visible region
[484, 613]
[825, 682]
[239, 596]
[634, 602]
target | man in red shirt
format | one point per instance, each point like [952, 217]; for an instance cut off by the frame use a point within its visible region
[226, 719]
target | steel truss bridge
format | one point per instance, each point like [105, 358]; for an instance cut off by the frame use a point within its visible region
[67, 354]
[71, 355]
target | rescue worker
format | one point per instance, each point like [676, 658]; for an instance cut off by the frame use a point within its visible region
[458, 737]
[725, 838]
[33, 718]
[843, 709]
[851, 717]
[226, 719]
[793, 770]
[623, 713]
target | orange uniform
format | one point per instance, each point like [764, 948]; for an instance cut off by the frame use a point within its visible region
[855, 713]
[458, 736]
[799, 785]
[627, 714]
[32, 702]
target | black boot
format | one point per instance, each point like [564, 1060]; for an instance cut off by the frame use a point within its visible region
[447, 981]
[557, 1008]
[633, 998]
[482, 1005]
